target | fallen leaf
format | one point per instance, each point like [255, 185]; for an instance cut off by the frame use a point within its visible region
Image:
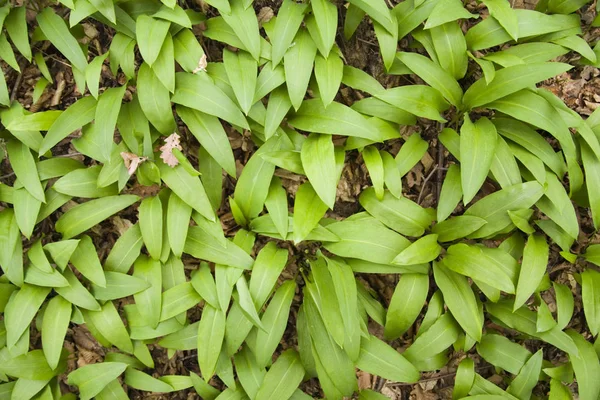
[132, 161]
[171, 142]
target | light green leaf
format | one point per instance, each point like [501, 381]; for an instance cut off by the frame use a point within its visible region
[533, 268]
[93, 378]
[447, 11]
[477, 145]
[421, 251]
[590, 294]
[422, 101]
[20, 310]
[586, 367]
[376, 357]
[283, 377]
[211, 332]
[154, 100]
[83, 216]
[241, 70]
[108, 322]
[328, 73]
[501, 10]
[298, 64]
[400, 214]
[451, 48]
[406, 304]
[56, 30]
[23, 164]
[54, 329]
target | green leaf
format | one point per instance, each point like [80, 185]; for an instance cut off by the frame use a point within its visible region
[501, 10]
[54, 329]
[211, 332]
[151, 225]
[125, 251]
[106, 116]
[20, 310]
[457, 227]
[178, 299]
[502, 353]
[433, 74]
[447, 11]
[243, 22]
[325, 14]
[421, 251]
[434, 340]
[391, 174]
[400, 214]
[564, 304]
[119, 285]
[141, 381]
[510, 80]
[269, 79]
[463, 382]
[163, 66]
[318, 161]
[109, 324]
[450, 194]
[92, 74]
[406, 304]
[16, 26]
[451, 48]
[333, 365]
[86, 260]
[148, 301]
[470, 261]
[26, 211]
[366, 239]
[154, 100]
[83, 183]
[335, 119]
[308, 211]
[328, 73]
[76, 293]
[277, 206]
[197, 91]
[7, 53]
[411, 15]
[378, 358]
[202, 245]
[590, 294]
[535, 261]
[460, 299]
[187, 50]
[150, 35]
[298, 64]
[586, 367]
[84, 216]
[253, 184]
[422, 101]
[23, 164]
[378, 11]
[493, 208]
[374, 164]
[249, 373]
[92, 378]
[289, 18]
[477, 145]
[527, 379]
[56, 30]
[283, 377]
[524, 320]
[241, 70]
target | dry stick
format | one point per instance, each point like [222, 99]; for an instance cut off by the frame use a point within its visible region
[435, 378]
[13, 94]
[436, 168]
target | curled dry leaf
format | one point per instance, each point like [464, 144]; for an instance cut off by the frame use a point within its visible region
[166, 151]
[132, 161]
[201, 65]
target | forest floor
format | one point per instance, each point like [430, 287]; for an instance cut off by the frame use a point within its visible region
[578, 88]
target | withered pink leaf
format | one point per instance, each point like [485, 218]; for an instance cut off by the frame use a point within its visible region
[166, 150]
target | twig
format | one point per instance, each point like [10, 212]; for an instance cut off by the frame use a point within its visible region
[440, 163]
[15, 89]
[425, 183]
[7, 175]
[435, 378]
